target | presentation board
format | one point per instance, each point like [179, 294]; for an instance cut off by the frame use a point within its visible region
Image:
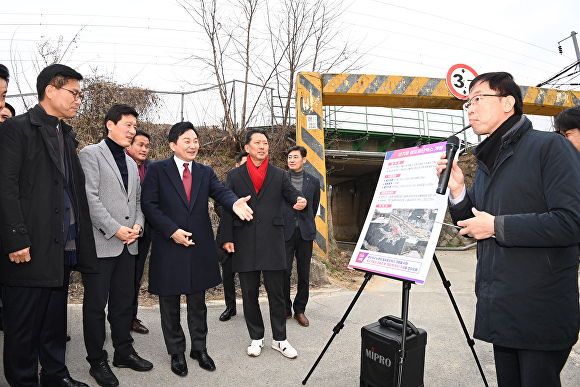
[402, 227]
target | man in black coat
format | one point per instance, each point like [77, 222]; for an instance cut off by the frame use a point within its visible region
[183, 257]
[524, 211]
[259, 243]
[225, 259]
[299, 233]
[568, 123]
[46, 230]
[4, 77]
[138, 151]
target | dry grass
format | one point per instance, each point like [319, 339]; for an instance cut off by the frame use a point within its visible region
[337, 272]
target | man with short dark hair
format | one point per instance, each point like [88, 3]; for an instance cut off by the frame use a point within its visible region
[138, 151]
[568, 123]
[225, 258]
[114, 196]
[45, 228]
[4, 78]
[6, 112]
[259, 244]
[183, 257]
[300, 233]
[524, 211]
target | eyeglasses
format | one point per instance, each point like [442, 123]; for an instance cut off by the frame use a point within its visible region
[76, 94]
[477, 99]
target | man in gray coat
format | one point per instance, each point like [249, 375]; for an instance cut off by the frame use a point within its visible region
[114, 195]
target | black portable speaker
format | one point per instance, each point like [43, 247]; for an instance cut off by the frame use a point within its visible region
[381, 346]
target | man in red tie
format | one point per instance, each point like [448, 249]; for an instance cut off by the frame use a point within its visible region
[183, 256]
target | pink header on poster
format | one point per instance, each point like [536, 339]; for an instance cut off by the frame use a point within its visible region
[417, 151]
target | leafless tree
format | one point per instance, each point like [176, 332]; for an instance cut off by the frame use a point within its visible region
[313, 33]
[205, 15]
[269, 43]
[233, 50]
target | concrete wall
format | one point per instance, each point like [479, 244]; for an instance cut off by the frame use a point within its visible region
[350, 203]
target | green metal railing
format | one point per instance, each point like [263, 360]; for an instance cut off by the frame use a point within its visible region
[384, 125]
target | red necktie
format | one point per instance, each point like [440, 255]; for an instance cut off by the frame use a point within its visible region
[187, 182]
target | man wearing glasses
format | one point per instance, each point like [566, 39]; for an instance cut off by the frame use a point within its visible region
[523, 209]
[45, 228]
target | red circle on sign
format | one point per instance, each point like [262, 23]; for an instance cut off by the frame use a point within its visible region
[458, 79]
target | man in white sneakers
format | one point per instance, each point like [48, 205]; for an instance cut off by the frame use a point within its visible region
[259, 243]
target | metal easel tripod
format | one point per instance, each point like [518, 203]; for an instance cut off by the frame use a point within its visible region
[405, 308]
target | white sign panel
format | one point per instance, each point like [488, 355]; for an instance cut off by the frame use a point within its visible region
[312, 122]
[403, 224]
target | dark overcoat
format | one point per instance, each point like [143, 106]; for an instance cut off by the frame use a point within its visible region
[173, 268]
[31, 201]
[259, 243]
[305, 218]
[526, 278]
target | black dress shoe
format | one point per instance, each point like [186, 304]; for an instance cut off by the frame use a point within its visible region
[178, 364]
[103, 374]
[227, 314]
[66, 382]
[203, 358]
[133, 361]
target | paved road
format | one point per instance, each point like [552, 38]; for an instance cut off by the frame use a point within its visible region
[448, 358]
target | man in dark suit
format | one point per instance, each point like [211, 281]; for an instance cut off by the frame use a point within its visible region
[259, 243]
[114, 196]
[6, 112]
[4, 77]
[45, 228]
[138, 151]
[225, 259]
[183, 257]
[299, 233]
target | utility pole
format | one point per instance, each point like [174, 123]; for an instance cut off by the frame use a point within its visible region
[570, 67]
[576, 47]
[575, 41]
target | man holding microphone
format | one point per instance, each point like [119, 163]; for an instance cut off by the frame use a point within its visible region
[524, 211]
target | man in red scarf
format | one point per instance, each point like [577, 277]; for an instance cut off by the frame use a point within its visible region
[259, 243]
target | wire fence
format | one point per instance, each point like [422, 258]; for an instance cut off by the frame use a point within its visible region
[204, 107]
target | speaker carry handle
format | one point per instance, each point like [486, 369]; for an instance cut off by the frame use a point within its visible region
[396, 323]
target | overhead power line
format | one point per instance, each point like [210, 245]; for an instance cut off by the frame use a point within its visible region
[566, 69]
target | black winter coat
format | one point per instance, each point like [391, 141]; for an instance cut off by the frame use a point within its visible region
[306, 222]
[31, 201]
[527, 277]
[258, 243]
[173, 268]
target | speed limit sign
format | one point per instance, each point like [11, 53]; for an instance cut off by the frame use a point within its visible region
[459, 78]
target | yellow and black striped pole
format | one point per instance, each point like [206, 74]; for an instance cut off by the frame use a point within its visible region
[310, 135]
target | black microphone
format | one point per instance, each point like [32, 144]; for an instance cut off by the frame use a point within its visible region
[451, 149]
